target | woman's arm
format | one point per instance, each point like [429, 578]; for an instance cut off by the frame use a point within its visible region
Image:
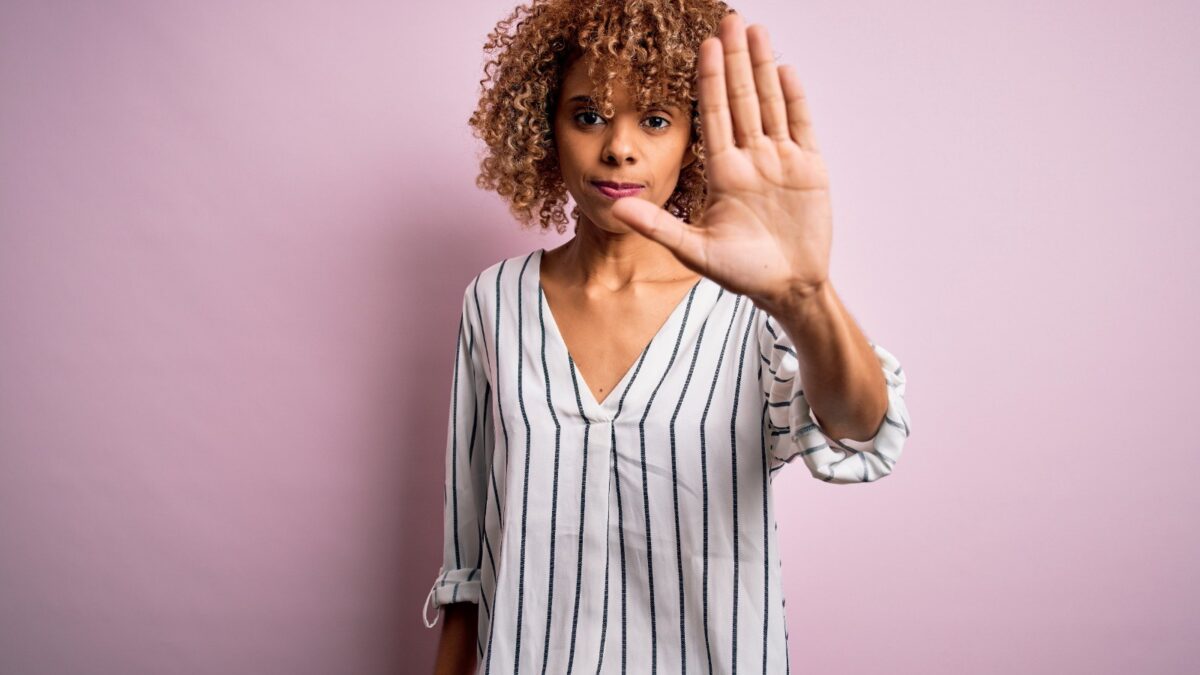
[468, 456]
[456, 647]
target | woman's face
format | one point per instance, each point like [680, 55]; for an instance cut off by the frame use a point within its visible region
[648, 147]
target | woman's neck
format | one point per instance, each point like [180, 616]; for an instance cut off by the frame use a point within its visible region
[596, 257]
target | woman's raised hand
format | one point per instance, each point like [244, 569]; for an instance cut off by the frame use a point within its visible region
[767, 226]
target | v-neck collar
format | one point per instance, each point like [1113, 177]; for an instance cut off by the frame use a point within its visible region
[604, 411]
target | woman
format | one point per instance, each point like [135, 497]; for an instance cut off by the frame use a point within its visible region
[621, 403]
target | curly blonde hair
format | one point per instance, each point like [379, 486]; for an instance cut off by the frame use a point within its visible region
[652, 45]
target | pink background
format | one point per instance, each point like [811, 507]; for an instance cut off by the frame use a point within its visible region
[233, 240]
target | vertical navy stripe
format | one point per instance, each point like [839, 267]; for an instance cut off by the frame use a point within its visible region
[582, 510]
[766, 530]
[454, 445]
[525, 483]
[474, 389]
[488, 358]
[607, 558]
[733, 419]
[646, 485]
[504, 426]
[675, 496]
[554, 487]
[621, 517]
[704, 461]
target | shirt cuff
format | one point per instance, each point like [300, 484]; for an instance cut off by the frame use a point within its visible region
[456, 585]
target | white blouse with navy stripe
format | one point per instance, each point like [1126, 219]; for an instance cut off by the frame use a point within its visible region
[637, 534]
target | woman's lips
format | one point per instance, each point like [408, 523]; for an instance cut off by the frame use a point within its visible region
[613, 193]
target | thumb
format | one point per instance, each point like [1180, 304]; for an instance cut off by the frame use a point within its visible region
[656, 223]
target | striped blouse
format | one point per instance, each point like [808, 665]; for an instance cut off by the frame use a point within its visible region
[636, 533]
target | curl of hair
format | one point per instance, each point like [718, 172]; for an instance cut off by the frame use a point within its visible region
[652, 45]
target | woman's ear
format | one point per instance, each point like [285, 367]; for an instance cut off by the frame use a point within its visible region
[689, 158]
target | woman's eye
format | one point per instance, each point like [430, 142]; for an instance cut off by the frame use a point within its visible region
[587, 112]
[593, 113]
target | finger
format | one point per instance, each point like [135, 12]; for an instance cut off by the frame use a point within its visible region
[714, 107]
[766, 81]
[657, 224]
[799, 122]
[739, 80]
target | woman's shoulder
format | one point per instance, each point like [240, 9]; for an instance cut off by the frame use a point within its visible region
[504, 272]
[499, 282]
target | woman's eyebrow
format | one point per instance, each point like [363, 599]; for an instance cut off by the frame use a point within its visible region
[658, 105]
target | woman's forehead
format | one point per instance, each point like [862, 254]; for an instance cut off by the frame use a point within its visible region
[578, 87]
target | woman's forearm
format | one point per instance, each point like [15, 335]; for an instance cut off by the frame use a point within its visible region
[456, 647]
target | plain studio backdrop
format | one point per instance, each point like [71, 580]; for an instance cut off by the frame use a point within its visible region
[233, 241]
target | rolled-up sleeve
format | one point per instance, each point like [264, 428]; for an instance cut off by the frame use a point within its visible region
[794, 431]
[468, 456]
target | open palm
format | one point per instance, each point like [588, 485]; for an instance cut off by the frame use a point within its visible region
[767, 226]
